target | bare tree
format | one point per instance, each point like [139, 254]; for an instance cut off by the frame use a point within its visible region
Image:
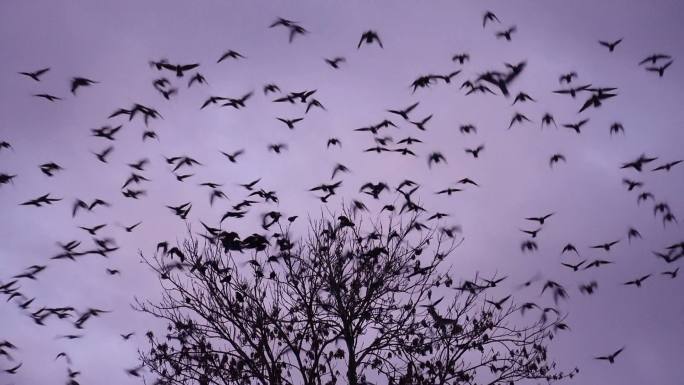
[353, 302]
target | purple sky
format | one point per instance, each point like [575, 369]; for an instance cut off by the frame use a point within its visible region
[111, 42]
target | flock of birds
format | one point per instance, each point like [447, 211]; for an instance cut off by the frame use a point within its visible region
[495, 82]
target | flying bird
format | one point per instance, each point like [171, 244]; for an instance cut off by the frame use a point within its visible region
[369, 37]
[610, 45]
[35, 75]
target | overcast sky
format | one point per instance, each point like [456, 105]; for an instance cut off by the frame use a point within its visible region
[112, 42]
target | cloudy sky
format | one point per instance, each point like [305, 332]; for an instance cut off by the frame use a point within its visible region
[112, 42]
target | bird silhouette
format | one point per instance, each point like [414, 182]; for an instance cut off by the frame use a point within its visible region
[611, 357]
[179, 69]
[35, 75]
[610, 45]
[506, 34]
[660, 70]
[668, 166]
[335, 62]
[78, 82]
[404, 113]
[369, 37]
[489, 16]
[41, 200]
[555, 158]
[49, 97]
[230, 54]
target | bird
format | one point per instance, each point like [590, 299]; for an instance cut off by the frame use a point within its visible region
[460, 58]
[499, 303]
[616, 128]
[333, 142]
[654, 58]
[638, 163]
[338, 168]
[13, 370]
[212, 100]
[126, 336]
[605, 246]
[230, 54]
[132, 227]
[522, 97]
[518, 118]
[668, 166]
[610, 45]
[596, 100]
[542, 219]
[277, 148]
[567, 78]
[555, 158]
[436, 157]
[631, 184]
[41, 200]
[671, 274]
[369, 37]
[290, 122]
[576, 126]
[475, 152]
[660, 70]
[574, 267]
[421, 124]
[49, 168]
[49, 97]
[404, 113]
[80, 82]
[93, 230]
[79, 204]
[489, 16]
[506, 34]
[573, 90]
[102, 155]
[335, 62]
[238, 103]
[35, 75]
[637, 282]
[589, 288]
[106, 132]
[270, 88]
[232, 157]
[633, 233]
[532, 233]
[611, 357]
[139, 165]
[7, 178]
[528, 245]
[179, 69]
[197, 78]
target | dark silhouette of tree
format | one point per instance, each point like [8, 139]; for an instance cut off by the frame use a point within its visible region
[352, 302]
